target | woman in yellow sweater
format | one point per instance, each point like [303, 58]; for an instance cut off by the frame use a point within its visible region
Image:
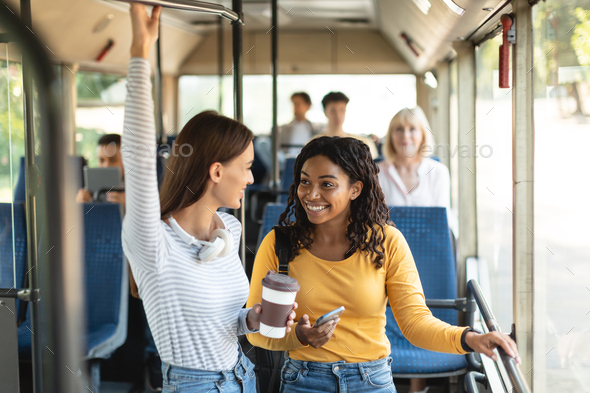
[345, 254]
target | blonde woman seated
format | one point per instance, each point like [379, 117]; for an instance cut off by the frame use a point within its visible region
[408, 176]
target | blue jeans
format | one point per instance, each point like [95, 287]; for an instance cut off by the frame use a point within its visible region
[240, 379]
[338, 377]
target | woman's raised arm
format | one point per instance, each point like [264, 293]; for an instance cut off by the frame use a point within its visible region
[141, 227]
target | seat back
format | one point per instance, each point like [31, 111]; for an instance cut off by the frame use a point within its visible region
[105, 283]
[287, 178]
[427, 232]
[105, 279]
[270, 218]
[13, 257]
[20, 190]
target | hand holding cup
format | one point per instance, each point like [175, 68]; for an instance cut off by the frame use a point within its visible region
[253, 319]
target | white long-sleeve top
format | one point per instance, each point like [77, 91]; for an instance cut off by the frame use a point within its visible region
[433, 189]
[194, 309]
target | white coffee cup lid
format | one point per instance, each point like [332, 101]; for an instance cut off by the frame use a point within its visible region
[280, 282]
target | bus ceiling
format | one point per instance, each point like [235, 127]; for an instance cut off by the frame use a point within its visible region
[387, 36]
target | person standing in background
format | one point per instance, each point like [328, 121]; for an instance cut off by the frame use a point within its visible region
[334, 104]
[297, 133]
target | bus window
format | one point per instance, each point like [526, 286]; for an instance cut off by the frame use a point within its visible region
[562, 212]
[494, 179]
[381, 96]
[100, 110]
[12, 148]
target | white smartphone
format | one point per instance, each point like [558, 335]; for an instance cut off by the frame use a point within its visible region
[334, 314]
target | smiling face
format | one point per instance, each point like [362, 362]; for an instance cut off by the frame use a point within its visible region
[235, 175]
[325, 191]
[407, 138]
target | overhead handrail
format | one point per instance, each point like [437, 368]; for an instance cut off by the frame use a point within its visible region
[193, 5]
[474, 291]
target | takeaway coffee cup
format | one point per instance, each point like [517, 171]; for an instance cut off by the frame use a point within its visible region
[278, 296]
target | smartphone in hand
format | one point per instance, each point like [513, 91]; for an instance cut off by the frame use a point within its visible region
[334, 314]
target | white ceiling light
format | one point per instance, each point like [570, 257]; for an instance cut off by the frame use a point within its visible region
[103, 23]
[454, 7]
[423, 5]
[430, 80]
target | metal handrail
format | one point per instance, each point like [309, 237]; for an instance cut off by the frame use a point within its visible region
[193, 5]
[471, 380]
[518, 381]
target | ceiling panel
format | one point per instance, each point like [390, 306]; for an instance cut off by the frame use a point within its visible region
[433, 33]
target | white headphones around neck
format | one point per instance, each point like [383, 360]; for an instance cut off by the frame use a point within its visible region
[220, 247]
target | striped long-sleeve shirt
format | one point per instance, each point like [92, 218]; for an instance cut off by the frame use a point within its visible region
[194, 309]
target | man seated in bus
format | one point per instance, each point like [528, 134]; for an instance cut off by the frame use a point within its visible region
[334, 104]
[109, 156]
[294, 136]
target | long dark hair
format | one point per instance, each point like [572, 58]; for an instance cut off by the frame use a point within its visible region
[368, 212]
[207, 138]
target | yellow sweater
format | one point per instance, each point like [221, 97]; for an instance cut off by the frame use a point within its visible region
[363, 290]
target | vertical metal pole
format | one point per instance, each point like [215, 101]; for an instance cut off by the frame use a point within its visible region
[61, 269]
[275, 127]
[467, 184]
[220, 49]
[523, 158]
[158, 87]
[443, 130]
[237, 61]
[238, 114]
[31, 177]
[69, 99]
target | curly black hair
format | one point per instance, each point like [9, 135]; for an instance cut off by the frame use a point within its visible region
[367, 211]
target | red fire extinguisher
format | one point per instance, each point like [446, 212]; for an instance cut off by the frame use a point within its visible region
[508, 37]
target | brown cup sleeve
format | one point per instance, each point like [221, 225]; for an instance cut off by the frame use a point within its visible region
[275, 315]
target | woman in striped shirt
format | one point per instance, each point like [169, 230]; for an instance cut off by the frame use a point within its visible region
[184, 255]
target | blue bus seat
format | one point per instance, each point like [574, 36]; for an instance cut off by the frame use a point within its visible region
[20, 192]
[163, 151]
[427, 232]
[8, 264]
[105, 281]
[287, 178]
[270, 218]
[13, 265]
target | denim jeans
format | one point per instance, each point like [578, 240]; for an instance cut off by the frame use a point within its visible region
[240, 379]
[338, 377]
